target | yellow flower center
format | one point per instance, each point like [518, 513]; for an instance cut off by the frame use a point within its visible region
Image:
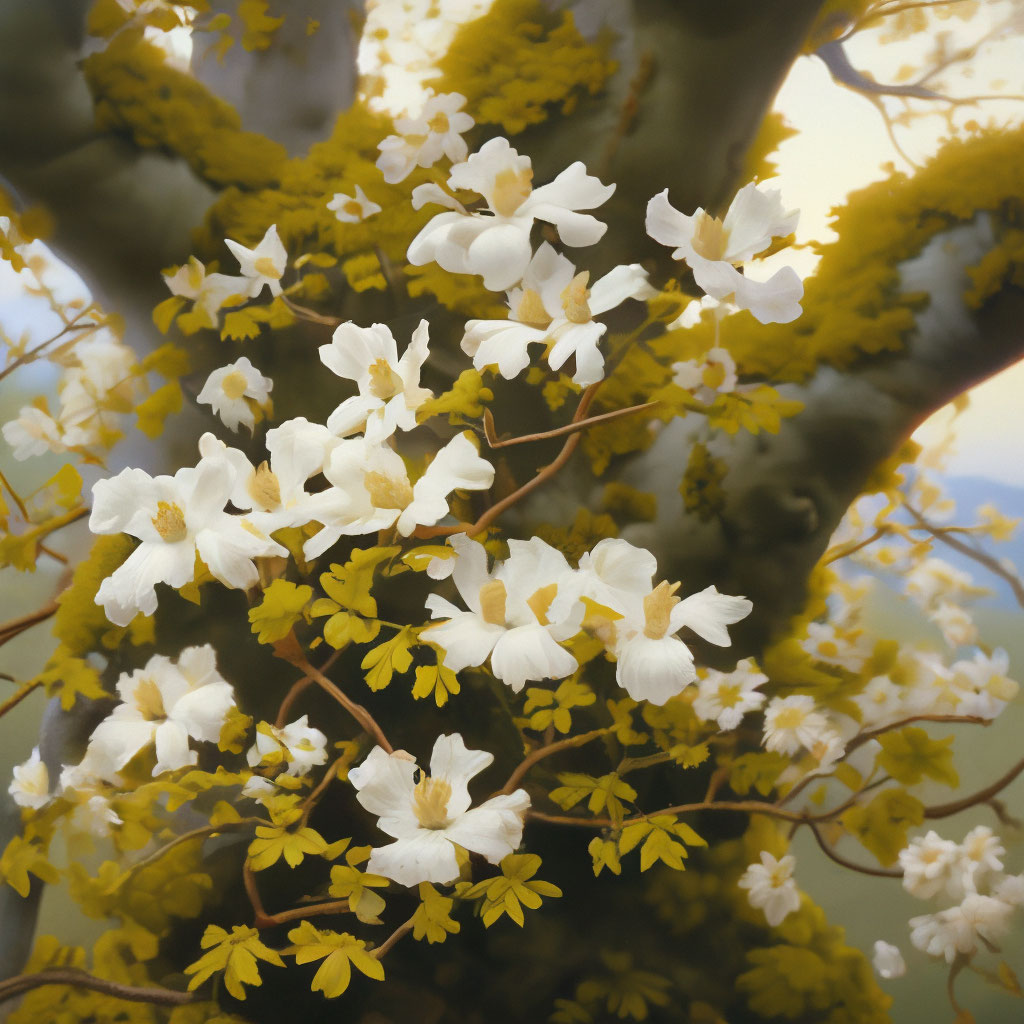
[430, 802]
[779, 876]
[264, 266]
[713, 376]
[234, 384]
[150, 701]
[728, 695]
[388, 491]
[511, 189]
[384, 382]
[829, 648]
[492, 602]
[169, 522]
[574, 299]
[658, 605]
[264, 487]
[790, 718]
[531, 309]
[439, 123]
[540, 601]
[353, 208]
[709, 237]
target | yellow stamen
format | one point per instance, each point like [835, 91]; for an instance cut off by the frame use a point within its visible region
[264, 266]
[384, 382]
[353, 208]
[728, 695]
[169, 522]
[790, 718]
[264, 488]
[709, 238]
[439, 123]
[388, 491]
[658, 605]
[150, 701]
[430, 802]
[234, 384]
[511, 189]
[531, 309]
[574, 299]
[713, 376]
[540, 601]
[492, 602]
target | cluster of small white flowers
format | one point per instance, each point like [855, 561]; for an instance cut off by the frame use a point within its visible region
[970, 874]
[99, 382]
[522, 611]
[422, 141]
[725, 697]
[794, 723]
[400, 46]
[940, 590]
[770, 887]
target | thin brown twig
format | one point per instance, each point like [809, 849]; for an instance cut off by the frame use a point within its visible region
[81, 979]
[542, 752]
[310, 802]
[29, 356]
[982, 796]
[567, 428]
[357, 711]
[15, 699]
[864, 869]
[297, 689]
[11, 629]
[305, 313]
[402, 930]
[299, 913]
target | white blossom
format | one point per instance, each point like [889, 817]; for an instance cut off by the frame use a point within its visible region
[725, 697]
[959, 929]
[165, 704]
[793, 722]
[518, 614]
[94, 817]
[228, 387]
[771, 887]
[423, 140]
[713, 249]
[496, 244]
[984, 681]
[828, 645]
[981, 857]
[430, 815]
[930, 865]
[372, 490]
[389, 387]
[30, 786]
[174, 518]
[298, 743]
[208, 291]
[555, 307]
[352, 209]
[880, 702]
[713, 374]
[34, 432]
[263, 265]
[888, 960]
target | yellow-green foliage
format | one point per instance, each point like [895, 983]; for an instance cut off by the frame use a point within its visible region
[853, 305]
[518, 61]
[135, 92]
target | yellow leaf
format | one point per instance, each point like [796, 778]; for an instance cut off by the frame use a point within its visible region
[152, 412]
[394, 655]
[282, 606]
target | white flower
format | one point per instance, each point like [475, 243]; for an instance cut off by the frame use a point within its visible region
[165, 704]
[888, 960]
[958, 929]
[955, 622]
[226, 391]
[933, 581]
[1010, 889]
[208, 291]
[496, 244]
[94, 817]
[431, 816]
[351, 209]
[258, 788]
[826, 644]
[31, 784]
[929, 865]
[33, 433]
[881, 701]
[713, 374]
[792, 722]
[981, 853]
[518, 614]
[652, 663]
[389, 387]
[554, 306]
[725, 697]
[372, 490]
[274, 492]
[173, 517]
[298, 743]
[985, 680]
[425, 139]
[771, 887]
[713, 249]
[263, 265]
